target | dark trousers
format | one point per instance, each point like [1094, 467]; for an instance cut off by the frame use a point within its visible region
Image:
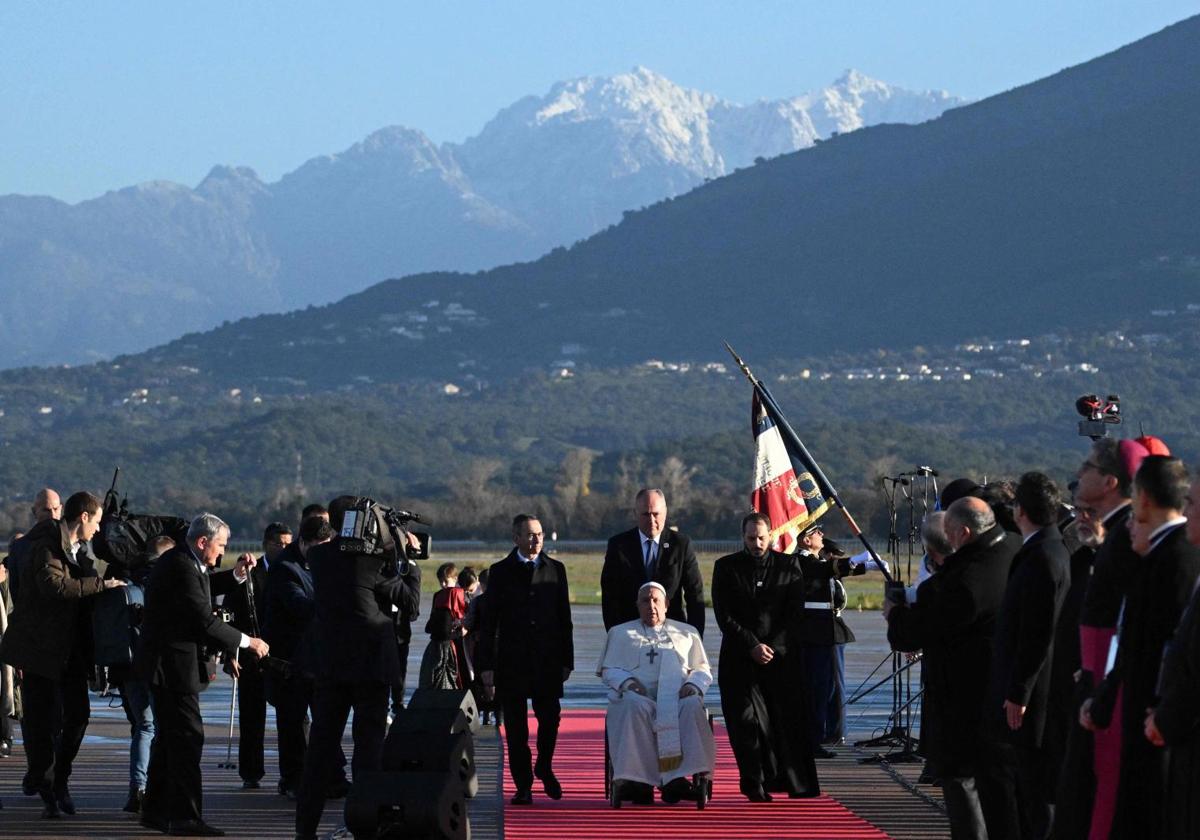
[547, 709]
[252, 721]
[963, 808]
[332, 703]
[1012, 792]
[291, 698]
[173, 784]
[397, 689]
[56, 718]
[817, 662]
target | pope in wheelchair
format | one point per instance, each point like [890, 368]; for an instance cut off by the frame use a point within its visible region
[657, 727]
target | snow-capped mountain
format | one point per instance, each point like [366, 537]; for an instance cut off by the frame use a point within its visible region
[546, 171]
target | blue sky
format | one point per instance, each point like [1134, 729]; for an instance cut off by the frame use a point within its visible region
[95, 96]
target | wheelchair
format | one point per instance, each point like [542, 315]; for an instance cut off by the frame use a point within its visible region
[702, 783]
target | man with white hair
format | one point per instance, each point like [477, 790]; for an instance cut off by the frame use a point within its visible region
[656, 672]
[178, 621]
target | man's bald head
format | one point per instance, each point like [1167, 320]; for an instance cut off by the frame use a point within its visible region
[47, 505]
[966, 520]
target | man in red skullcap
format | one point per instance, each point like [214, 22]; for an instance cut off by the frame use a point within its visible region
[1088, 784]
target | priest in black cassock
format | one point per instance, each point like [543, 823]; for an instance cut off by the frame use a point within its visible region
[758, 598]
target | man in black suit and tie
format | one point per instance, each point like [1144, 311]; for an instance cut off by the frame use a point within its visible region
[178, 621]
[1012, 789]
[252, 700]
[526, 652]
[650, 553]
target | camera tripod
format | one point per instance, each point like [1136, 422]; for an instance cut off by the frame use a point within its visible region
[898, 739]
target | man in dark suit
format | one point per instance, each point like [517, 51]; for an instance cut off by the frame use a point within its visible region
[526, 652]
[50, 641]
[252, 701]
[953, 621]
[758, 596]
[352, 654]
[287, 615]
[1011, 787]
[650, 553]
[177, 622]
[1154, 603]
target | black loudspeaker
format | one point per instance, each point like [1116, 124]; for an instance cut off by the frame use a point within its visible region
[459, 701]
[408, 751]
[407, 805]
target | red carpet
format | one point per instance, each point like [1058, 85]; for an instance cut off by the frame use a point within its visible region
[584, 814]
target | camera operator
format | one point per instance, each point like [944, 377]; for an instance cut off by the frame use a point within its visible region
[354, 657]
[50, 641]
[179, 620]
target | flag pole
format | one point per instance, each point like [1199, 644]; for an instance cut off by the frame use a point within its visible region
[826, 487]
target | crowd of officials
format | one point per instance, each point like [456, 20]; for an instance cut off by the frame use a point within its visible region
[1060, 636]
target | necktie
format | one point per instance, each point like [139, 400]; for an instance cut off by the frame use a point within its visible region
[649, 559]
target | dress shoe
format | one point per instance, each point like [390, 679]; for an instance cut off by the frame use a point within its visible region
[194, 828]
[251, 784]
[133, 805]
[549, 783]
[821, 752]
[50, 809]
[755, 793]
[338, 789]
[65, 803]
[287, 789]
[677, 789]
[150, 822]
[522, 797]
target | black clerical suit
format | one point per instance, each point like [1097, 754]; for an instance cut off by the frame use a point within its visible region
[252, 701]
[177, 622]
[954, 621]
[526, 637]
[674, 566]
[1177, 717]
[1154, 603]
[354, 661]
[760, 601]
[1112, 568]
[1012, 790]
[49, 639]
[821, 631]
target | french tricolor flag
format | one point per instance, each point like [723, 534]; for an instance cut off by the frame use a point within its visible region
[784, 487]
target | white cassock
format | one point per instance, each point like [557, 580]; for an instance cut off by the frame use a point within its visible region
[659, 737]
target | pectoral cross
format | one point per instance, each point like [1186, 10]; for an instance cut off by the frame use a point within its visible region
[652, 654]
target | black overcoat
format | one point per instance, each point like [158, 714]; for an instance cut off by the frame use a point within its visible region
[676, 569]
[954, 621]
[288, 604]
[764, 705]
[1178, 719]
[1023, 649]
[525, 631]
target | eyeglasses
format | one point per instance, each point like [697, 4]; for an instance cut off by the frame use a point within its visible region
[1094, 466]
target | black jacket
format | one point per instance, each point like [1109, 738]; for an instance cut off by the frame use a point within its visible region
[954, 621]
[178, 621]
[749, 615]
[288, 604]
[676, 569]
[821, 626]
[525, 631]
[352, 634]
[1178, 719]
[1022, 653]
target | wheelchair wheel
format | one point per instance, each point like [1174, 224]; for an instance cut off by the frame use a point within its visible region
[703, 787]
[614, 794]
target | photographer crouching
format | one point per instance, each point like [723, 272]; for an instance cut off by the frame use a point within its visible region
[178, 621]
[358, 579]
